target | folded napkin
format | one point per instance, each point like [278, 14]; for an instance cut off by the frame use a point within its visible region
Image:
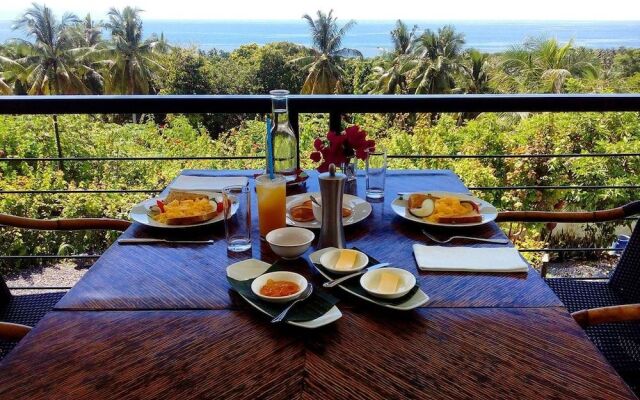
[207, 183]
[470, 259]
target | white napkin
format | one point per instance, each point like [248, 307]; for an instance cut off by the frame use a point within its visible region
[469, 259]
[207, 183]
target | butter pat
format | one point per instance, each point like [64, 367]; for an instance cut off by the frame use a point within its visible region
[388, 282]
[346, 260]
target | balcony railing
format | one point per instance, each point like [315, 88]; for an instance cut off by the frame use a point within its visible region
[333, 105]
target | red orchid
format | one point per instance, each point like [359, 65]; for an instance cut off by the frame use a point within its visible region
[339, 148]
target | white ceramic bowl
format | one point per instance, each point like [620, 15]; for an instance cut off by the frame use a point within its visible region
[370, 280]
[290, 242]
[317, 209]
[329, 259]
[260, 281]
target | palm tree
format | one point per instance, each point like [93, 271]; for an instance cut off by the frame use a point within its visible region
[392, 77]
[544, 64]
[437, 60]
[87, 33]
[50, 61]
[477, 71]
[51, 58]
[323, 66]
[130, 65]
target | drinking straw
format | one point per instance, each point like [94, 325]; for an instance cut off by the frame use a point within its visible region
[270, 167]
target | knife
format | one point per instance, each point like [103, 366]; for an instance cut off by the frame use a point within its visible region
[152, 240]
[361, 272]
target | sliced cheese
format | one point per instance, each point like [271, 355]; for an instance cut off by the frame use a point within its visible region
[388, 282]
[346, 260]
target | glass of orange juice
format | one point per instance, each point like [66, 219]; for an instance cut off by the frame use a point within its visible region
[272, 197]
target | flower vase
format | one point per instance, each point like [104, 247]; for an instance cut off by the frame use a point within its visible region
[349, 169]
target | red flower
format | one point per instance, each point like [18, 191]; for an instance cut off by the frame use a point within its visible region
[316, 156]
[355, 136]
[340, 147]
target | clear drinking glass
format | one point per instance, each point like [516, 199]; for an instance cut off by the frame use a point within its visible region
[237, 227]
[376, 169]
[272, 198]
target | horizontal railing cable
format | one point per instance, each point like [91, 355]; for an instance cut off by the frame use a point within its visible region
[399, 156]
[158, 158]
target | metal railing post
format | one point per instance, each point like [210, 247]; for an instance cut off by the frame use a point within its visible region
[335, 122]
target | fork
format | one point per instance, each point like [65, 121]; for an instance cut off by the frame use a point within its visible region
[477, 239]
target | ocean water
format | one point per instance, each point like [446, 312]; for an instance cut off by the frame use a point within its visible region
[372, 37]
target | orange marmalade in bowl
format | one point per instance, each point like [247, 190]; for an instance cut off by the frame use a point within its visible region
[279, 288]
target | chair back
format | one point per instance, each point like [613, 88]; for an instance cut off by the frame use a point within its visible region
[626, 277]
[5, 294]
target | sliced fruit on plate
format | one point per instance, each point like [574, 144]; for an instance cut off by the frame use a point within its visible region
[425, 209]
[445, 210]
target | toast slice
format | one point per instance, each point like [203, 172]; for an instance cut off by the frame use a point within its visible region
[460, 219]
[182, 195]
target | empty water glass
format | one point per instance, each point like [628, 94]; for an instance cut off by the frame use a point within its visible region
[376, 169]
[237, 217]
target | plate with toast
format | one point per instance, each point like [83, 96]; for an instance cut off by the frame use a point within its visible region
[181, 209]
[444, 209]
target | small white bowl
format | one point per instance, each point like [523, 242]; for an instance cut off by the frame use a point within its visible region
[317, 209]
[370, 280]
[290, 242]
[330, 258]
[260, 281]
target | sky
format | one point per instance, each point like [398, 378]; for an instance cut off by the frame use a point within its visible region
[417, 10]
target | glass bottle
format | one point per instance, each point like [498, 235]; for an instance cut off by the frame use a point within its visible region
[283, 140]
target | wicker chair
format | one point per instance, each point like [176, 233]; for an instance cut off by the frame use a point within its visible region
[19, 312]
[606, 309]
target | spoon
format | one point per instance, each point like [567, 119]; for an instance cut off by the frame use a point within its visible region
[305, 295]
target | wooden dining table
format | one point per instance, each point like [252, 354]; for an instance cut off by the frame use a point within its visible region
[161, 321]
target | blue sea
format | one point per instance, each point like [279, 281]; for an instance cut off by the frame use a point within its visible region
[372, 37]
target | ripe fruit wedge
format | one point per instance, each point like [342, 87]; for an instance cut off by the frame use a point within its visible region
[425, 209]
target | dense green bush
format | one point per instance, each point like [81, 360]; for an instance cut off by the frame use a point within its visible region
[491, 134]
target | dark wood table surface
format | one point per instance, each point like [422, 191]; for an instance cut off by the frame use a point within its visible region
[151, 322]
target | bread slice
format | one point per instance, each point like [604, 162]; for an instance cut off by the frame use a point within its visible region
[182, 195]
[461, 219]
[302, 213]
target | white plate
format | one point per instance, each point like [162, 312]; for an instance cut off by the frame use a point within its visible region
[487, 211]
[360, 209]
[252, 268]
[418, 299]
[139, 213]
